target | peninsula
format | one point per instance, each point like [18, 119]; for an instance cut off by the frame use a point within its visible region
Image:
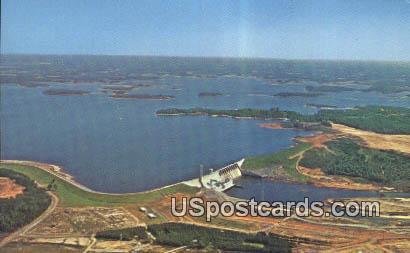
[379, 119]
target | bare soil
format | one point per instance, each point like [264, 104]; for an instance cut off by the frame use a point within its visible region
[320, 179]
[398, 143]
[318, 140]
[271, 125]
[9, 188]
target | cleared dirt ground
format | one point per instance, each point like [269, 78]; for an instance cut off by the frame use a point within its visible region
[318, 140]
[388, 233]
[9, 188]
[398, 143]
[271, 125]
[83, 221]
[320, 179]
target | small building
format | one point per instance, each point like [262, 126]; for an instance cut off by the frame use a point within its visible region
[152, 215]
[143, 209]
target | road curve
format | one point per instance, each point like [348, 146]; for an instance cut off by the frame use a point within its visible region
[69, 179]
[26, 228]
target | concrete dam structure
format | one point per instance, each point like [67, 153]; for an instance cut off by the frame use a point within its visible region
[219, 180]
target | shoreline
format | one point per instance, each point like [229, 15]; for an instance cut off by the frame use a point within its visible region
[217, 115]
[315, 176]
[57, 171]
[331, 184]
[272, 126]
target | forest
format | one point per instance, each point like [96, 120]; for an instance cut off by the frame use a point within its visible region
[347, 158]
[19, 211]
[379, 119]
[212, 239]
[126, 234]
[273, 113]
[328, 88]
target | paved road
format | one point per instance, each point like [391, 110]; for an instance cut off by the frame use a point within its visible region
[26, 228]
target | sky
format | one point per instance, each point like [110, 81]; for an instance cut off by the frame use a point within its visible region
[291, 29]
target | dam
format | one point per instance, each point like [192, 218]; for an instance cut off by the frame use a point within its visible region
[219, 180]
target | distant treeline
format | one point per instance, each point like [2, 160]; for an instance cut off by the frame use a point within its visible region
[377, 76]
[19, 211]
[381, 119]
[179, 234]
[321, 106]
[273, 113]
[65, 92]
[348, 158]
[328, 88]
[298, 94]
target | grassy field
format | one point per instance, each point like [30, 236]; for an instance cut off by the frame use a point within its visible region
[72, 196]
[287, 158]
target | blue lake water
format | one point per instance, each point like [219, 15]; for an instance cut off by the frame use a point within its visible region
[265, 189]
[122, 146]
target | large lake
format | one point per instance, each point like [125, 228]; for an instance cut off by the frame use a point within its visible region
[122, 146]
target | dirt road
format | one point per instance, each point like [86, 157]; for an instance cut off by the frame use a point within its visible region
[26, 228]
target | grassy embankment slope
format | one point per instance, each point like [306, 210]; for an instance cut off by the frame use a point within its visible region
[287, 158]
[72, 196]
[378, 119]
[169, 234]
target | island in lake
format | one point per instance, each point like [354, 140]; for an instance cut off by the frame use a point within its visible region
[357, 154]
[209, 94]
[321, 106]
[298, 94]
[379, 119]
[119, 95]
[33, 84]
[328, 88]
[65, 92]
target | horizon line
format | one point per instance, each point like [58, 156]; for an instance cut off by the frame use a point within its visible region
[212, 57]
